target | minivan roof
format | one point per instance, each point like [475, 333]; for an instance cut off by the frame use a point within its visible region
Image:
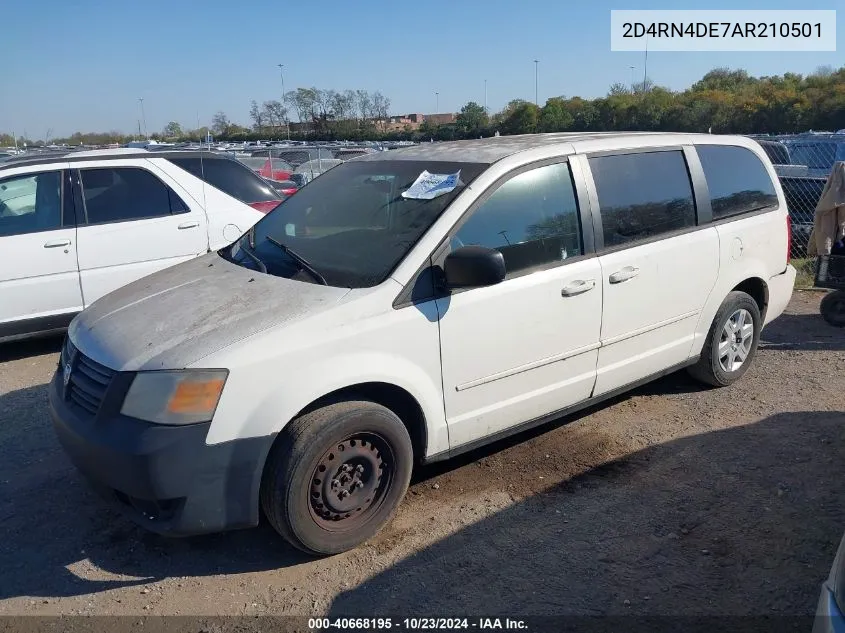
[492, 149]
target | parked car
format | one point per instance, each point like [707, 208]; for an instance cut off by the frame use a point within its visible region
[344, 153]
[831, 606]
[296, 155]
[269, 169]
[300, 180]
[276, 169]
[817, 151]
[408, 306]
[255, 163]
[285, 187]
[776, 151]
[77, 226]
[313, 168]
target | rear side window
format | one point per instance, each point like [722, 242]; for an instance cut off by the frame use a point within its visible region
[737, 180]
[30, 203]
[642, 195]
[126, 193]
[229, 176]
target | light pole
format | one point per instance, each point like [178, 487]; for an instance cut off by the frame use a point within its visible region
[633, 68]
[436, 102]
[536, 82]
[485, 96]
[143, 117]
[282, 75]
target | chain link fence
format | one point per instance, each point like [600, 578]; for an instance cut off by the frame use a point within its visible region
[803, 163]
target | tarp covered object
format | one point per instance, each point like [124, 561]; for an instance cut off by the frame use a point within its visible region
[829, 221]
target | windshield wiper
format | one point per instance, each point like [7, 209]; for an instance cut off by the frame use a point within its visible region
[303, 263]
[261, 266]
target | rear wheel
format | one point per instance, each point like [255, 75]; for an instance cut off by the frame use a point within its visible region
[833, 308]
[731, 342]
[336, 476]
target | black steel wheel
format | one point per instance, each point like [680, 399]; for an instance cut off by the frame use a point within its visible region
[336, 476]
[349, 482]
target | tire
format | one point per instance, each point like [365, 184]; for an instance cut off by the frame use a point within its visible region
[723, 366]
[833, 308]
[336, 476]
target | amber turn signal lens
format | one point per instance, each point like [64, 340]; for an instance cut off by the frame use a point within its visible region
[194, 398]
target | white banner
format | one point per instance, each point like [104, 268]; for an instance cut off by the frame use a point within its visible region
[723, 30]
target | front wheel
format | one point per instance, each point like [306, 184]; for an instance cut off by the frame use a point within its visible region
[731, 342]
[336, 476]
[833, 308]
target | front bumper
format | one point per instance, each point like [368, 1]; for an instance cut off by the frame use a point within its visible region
[165, 478]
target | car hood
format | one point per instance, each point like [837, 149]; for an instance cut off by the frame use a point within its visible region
[181, 314]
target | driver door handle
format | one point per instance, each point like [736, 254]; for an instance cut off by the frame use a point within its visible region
[57, 243]
[629, 272]
[578, 287]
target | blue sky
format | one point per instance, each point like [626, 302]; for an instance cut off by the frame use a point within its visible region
[83, 65]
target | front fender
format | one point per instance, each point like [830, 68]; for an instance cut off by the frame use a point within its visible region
[253, 405]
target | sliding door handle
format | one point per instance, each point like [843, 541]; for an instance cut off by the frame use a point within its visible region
[188, 225]
[629, 272]
[578, 287]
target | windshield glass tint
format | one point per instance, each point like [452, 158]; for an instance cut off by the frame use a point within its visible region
[352, 224]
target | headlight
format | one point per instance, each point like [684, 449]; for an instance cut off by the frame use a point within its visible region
[175, 397]
[68, 350]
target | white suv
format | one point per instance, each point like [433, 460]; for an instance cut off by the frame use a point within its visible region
[410, 305]
[74, 227]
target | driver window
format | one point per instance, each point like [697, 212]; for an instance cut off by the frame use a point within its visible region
[532, 219]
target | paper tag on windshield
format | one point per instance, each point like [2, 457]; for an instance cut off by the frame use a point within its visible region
[428, 186]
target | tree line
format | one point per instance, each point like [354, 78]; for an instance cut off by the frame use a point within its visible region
[328, 113]
[723, 101]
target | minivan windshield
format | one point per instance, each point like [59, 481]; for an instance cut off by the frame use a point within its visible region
[351, 226]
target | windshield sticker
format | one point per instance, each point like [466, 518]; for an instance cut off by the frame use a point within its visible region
[428, 186]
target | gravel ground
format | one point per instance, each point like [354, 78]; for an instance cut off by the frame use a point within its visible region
[671, 499]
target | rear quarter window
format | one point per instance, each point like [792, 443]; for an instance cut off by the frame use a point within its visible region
[737, 180]
[229, 176]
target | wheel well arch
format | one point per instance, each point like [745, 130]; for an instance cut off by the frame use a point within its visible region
[390, 396]
[759, 291]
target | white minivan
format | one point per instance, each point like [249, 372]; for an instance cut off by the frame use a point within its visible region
[410, 305]
[76, 225]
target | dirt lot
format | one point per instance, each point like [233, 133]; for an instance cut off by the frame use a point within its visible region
[672, 499]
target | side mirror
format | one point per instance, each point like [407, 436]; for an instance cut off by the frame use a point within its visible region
[474, 266]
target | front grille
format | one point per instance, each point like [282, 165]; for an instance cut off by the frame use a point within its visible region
[89, 380]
